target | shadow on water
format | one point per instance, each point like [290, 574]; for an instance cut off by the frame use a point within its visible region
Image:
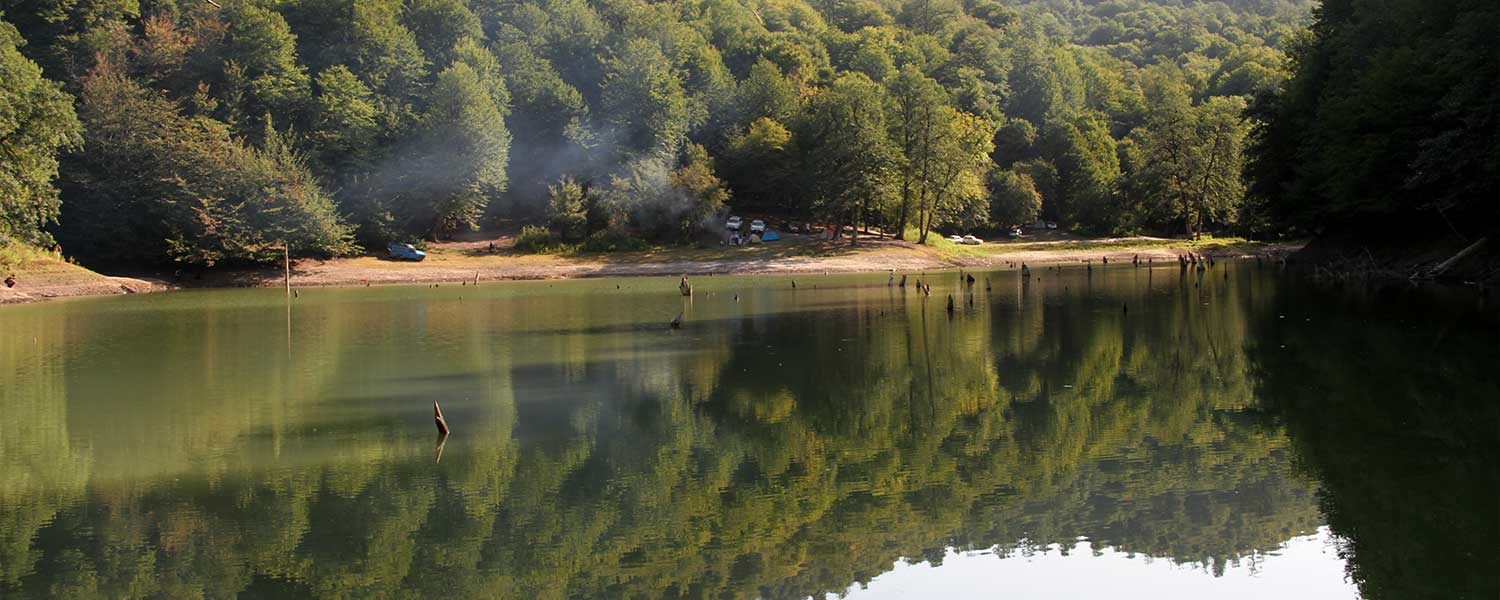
[790, 444]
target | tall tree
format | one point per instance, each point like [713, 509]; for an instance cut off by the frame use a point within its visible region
[1192, 156]
[1014, 199]
[259, 64]
[345, 124]
[548, 119]
[1088, 169]
[436, 25]
[567, 208]
[913, 102]
[459, 160]
[644, 102]
[852, 161]
[761, 168]
[767, 93]
[36, 121]
[954, 180]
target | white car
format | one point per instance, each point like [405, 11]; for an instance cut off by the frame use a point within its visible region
[757, 226]
[955, 238]
[971, 240]
[1051, 224]
[733, 224]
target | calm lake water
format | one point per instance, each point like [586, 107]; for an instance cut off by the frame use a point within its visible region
[1130, 433]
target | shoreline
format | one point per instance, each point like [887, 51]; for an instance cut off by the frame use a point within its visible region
[459, 262]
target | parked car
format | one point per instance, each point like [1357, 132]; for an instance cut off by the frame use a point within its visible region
[970, 240]
[1051, 224]
[757, 226]
[405, 252]
[955, 238]
[1015, 233]
[733, 224]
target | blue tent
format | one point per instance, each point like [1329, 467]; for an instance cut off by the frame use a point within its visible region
[770, 236]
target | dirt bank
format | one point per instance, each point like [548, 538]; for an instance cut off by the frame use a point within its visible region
[472, 258]
[467, 260]
[42, 275]
[1387, 252]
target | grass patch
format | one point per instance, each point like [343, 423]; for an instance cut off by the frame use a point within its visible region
[20, 258]
[37, 266]
[948, 250]
[1206, 243]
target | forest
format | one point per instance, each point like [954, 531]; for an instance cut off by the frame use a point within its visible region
[208, 132]
[197, 132]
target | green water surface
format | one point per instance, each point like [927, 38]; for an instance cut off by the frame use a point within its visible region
[783, 443]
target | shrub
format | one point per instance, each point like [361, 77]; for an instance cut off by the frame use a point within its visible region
[608, 240]
[535, 239]
[567, 208]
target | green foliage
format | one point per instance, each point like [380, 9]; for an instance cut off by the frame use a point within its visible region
[1014, 199]
[535, 239]
[704, 190]
[436, 25]
[644, 100]
[1191, 156]
[36, 121]
[429, 117]
[260, 65]
[1389, 115]
[613, 240]
[1087, 171]
[184, 188]
[852, 158]
[761, 167]
[457, 165]
[650, 196]
[567, 208]
[767, 94]
[346, 123]
[913, 103]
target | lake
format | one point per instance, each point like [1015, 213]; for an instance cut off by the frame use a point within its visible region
[1130, 432]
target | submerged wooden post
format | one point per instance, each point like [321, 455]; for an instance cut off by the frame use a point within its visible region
[437, 416]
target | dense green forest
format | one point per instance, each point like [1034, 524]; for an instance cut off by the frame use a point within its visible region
[1389, 124]
[203, 132]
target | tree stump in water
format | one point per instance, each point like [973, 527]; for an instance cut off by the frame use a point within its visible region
[437, 416]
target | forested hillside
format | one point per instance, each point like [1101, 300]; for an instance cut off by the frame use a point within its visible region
[212, 131]
[1390, 124]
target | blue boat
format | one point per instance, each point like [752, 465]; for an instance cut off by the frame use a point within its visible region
[405, 252]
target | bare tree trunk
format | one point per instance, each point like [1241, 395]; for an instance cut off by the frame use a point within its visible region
[905, 206]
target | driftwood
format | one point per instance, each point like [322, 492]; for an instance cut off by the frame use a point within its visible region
[437, 416]
[1462, 254]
